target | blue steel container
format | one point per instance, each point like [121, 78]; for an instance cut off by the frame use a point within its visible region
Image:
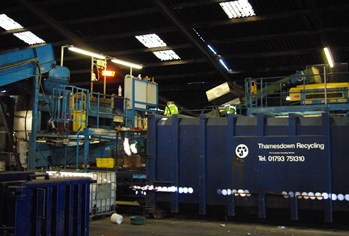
[44, 207]
[292, 162]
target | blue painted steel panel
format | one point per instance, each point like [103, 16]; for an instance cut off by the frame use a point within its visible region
[260, 156]
[19, 65]
[275, 170]
[59, 75]
[189, 160]
[46, 207]
[218, 162]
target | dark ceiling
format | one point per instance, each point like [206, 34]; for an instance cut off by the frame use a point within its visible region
[283, 37]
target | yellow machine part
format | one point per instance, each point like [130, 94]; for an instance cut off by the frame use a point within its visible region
[253, 86]
[107, 162]
[295, 93]
[79, 116]
[313, 73]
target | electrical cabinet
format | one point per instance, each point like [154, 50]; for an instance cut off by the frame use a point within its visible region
[141, 96]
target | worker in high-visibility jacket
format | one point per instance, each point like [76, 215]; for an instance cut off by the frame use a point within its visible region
[171, 109]
[229, 109]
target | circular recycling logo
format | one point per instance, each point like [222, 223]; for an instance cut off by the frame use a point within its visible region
[241, 151]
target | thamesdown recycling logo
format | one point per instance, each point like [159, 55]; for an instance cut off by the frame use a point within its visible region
[241, 151]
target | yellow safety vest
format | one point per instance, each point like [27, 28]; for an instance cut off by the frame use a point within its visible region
[170, 110]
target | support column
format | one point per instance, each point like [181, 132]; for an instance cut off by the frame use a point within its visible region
[32, 136]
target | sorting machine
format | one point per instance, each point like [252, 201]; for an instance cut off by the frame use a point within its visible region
[65, 129]
[58, 120]
[46, 118]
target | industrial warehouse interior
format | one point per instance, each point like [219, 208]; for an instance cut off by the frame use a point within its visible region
[169, 117]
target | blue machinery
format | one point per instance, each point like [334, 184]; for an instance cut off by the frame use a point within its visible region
[42, 206]
[78, 118]
[80, 129]
[20, 65]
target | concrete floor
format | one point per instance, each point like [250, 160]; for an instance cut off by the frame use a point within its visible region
[180, 227]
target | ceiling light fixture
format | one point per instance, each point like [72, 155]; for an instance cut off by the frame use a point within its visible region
[197, 33]
[87, 53]
[151, 40]
[223, 64]
[125, 63]
[166, 55]
[212, 50]
[29, 37]
[8, 24]
[329, 56]
[237, 9]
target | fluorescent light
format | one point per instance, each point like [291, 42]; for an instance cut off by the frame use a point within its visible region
[29, 37]
[212, 50]
[237, 9]
[87, 53]
[197, 33]
[151, 40]
[166, 55]
[125, 63]
[223, 64]
[8, 24]
[329, 56]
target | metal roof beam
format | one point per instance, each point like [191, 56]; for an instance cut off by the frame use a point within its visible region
[57, 26]
[158, 64]
[117, 15]
[145, 50]
[179, 62]
[252, 56]
[262, 37]
[187, 75]
[195, 4]
[215, 41]
[320, 24]
[183, 29]
[133, 33]
[277, 16]
[303, 51]
[157, 77]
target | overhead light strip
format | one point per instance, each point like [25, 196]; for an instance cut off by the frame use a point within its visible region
[87, 53]
[212, 50]
[151, 40]
[8, 24]
[237, 9]
[28, 37]
[197, 33]
[166, 55]
[329, 56]
[154, 41]
[223, 64]
[126, 63]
